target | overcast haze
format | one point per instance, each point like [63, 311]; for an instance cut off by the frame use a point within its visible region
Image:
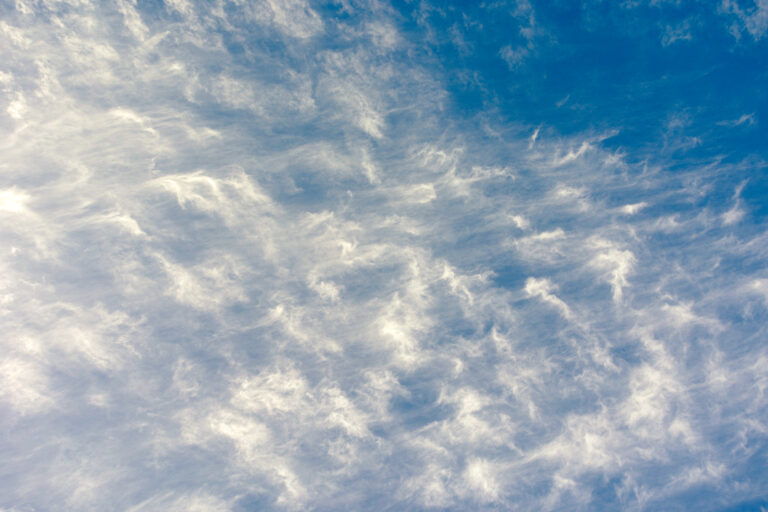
[370, 255]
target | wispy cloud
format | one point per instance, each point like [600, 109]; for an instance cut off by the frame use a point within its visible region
[253, 258]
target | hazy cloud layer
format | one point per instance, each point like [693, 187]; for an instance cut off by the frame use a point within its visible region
[255, 258]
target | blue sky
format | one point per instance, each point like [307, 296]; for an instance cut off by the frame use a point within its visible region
[370, 255]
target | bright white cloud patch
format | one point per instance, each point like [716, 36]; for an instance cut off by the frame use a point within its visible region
[250, 260]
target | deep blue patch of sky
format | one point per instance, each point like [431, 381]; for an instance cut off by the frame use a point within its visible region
[601, 66]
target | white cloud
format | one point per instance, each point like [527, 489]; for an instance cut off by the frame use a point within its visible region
[748, 119]
[571, 155]
[542, 289]
[616, 263]
[13, 201]
[681, 32]
[754, 19]
[24, 385]
[631, 209]
[250, 259]
[479, 477]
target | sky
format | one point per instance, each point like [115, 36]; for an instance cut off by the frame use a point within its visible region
[406, 255]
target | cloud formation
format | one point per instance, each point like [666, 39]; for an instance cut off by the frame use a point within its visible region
[255, 258]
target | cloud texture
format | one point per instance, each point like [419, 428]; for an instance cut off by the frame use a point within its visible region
[254, 257]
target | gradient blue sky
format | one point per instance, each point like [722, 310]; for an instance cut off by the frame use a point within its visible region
[371, 255]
